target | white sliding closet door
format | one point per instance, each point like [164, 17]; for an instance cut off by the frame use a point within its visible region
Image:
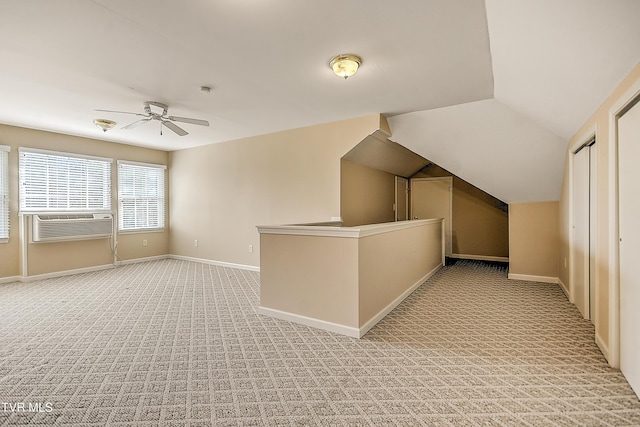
[580, 231]
[629, 222]
[593, 233]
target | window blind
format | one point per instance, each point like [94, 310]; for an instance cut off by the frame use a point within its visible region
[141, 203]
[4, 192]
[60, 182]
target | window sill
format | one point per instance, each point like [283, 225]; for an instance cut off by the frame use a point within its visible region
[145, 230]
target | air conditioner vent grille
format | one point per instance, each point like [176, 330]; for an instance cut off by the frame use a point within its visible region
[63, 227]
[65, 216]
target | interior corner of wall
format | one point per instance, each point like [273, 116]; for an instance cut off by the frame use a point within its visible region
[384, 125]
[601, 342]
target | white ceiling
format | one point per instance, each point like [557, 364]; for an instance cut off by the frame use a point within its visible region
[547, 63]
[557, 60]
[489, 145]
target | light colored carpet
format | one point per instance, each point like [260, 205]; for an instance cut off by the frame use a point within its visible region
[176, 343]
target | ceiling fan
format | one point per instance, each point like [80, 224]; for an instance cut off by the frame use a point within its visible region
[158, 111]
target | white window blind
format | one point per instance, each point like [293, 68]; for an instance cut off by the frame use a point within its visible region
[4, 192]
[141, 203]
[61, 182]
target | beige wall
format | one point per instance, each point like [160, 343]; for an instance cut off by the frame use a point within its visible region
[367, 195]
[53, 257]
[390, 263]
[481, 227]
[311, 276]
[221, 192]
[349, 278]
[534, 239]
[600, 122]
[478, 225]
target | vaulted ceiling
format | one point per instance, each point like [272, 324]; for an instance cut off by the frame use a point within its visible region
[490, 90]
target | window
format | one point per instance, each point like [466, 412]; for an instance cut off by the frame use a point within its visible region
[140, 196]
[4, 193]
[62, 182]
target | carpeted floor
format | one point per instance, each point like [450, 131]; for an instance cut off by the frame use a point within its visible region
[177, 343]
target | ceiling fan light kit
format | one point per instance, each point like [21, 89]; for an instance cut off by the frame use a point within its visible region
[158, 111]
[104, 124]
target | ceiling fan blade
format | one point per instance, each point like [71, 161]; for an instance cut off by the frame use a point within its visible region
[188, 120]
[122, 112]
[174, 127]
[136, 123]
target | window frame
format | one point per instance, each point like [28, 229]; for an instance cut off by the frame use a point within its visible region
[5, 208]
[107, 190]
[161, 196]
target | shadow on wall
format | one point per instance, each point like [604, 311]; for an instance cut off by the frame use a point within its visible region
[480, 223]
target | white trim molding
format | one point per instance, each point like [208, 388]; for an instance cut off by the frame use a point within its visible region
[349, 331]
[564, 288]
[216, 263]
[480, 257]
[601, 343]
[63, 273]
[10, 279]
[321, 229]
[531, 278]
[55, 274]
[139, 260]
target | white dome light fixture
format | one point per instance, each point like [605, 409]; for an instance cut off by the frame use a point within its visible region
[345, 65]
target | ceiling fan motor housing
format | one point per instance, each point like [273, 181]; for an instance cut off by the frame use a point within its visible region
[157, 109]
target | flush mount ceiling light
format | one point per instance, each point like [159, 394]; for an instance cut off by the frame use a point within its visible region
[345, 65]
[104, 124]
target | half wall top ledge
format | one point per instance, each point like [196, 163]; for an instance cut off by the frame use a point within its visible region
[489, 145]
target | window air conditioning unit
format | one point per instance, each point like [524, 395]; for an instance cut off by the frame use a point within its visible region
[63, 227]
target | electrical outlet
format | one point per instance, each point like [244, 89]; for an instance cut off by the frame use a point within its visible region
[144, 242]
[250, 249]
[195, 243]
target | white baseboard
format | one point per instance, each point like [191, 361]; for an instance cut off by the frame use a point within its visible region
[378, 317]
[88, 269]
[310, 321]
[9, 279]
[531, 278]
[480, 257]
[144, 259]
[216, 263]
[65, 273]
[603, 347]
[119, 263]
[564, 289]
